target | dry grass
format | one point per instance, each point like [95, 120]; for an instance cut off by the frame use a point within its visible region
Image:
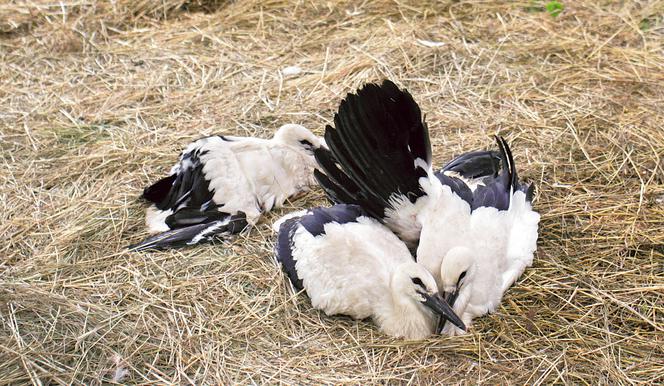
[98, 98]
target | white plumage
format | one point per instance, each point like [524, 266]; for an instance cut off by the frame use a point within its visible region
[481, 252]
[223, 176]
[351, 264]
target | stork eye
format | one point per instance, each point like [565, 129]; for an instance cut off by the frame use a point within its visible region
[306, 144]
[418, 281]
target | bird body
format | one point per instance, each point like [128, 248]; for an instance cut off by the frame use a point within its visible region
[219, 177]
[492, 250]
[490, 238]
[350, 264]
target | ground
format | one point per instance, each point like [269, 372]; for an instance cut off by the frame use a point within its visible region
[98, 98]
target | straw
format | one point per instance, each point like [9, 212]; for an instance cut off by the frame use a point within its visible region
[98, 98]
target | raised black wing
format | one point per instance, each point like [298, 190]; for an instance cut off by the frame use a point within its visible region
[378, 135]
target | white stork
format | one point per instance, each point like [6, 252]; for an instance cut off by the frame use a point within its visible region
[380, 159]
[222, 183]
[350, 264]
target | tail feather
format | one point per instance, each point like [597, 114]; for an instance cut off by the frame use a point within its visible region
[193, 234]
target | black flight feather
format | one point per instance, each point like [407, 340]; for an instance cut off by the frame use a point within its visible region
[528, 189]
[498, 191]
[378, 134]
[188, 216]
[475, 164]
[158, 191]
[482, 164]
[189, 186]
[340, 188]
[507, 158]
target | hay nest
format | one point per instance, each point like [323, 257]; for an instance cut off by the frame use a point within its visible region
[99, 97]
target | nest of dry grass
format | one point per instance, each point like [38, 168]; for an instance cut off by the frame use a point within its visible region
[98, 98]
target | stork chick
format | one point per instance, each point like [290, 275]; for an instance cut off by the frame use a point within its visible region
[222, 183]
[350, 264]
[475, 276]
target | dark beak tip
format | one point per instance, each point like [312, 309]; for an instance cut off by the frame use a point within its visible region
[445, 312]
[459, 323]
[441, 324]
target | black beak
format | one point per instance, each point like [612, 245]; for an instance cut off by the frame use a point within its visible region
[450, 298]
[442, 308]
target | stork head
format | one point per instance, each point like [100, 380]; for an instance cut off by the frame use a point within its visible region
[456, 270]
[298, 136]
[414, 284]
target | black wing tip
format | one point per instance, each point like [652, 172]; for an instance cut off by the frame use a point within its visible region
[185, 236]
[386, 89]
[322, 155]
[150, 243]
[475, 164]
[384, 85]
[508, 161]
[387, 83]
[158, 191]
[284, 251]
